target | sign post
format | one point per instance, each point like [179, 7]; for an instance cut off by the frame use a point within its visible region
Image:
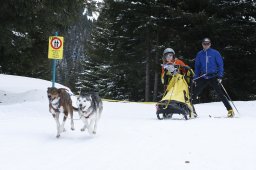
[55, 51]
[53, 72]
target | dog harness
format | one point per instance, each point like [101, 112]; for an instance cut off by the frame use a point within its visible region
[55, 106]
[87, 113]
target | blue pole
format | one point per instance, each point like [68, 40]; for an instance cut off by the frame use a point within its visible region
[54, 67]
[53, 71]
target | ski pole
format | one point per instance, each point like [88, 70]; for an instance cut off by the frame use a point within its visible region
[199, 77]
[228, 97]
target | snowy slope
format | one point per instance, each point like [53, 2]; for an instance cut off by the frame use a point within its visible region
[129, 136]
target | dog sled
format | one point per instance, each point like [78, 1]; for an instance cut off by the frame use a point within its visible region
[176, 98]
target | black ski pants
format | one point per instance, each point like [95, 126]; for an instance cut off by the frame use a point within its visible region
[201, 83]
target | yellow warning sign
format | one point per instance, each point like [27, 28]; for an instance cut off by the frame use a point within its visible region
[55, 49]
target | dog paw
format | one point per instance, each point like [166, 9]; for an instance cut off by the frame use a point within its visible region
[58, 136]
[83, 129]
[91, 132]
[72, 128]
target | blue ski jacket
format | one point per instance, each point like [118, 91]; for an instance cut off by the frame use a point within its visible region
[208, 64]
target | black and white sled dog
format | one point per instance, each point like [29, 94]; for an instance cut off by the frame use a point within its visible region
[60, 102]
[89, 108]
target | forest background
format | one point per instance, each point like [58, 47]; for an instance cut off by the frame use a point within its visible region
[115, 46]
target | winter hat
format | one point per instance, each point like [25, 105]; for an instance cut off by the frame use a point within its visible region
[207, 40]
[168, 50]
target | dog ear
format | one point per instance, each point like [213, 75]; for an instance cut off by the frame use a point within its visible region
[49, 90]
[83, 92]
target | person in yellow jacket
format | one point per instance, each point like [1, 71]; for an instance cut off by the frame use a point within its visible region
[170, 63]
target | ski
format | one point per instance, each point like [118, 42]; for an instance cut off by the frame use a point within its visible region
[221, 117]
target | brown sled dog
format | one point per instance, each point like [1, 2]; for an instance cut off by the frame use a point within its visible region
[60, 102]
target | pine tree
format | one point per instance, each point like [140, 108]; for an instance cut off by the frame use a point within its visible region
[129, 38]
[236, 30]
[25, 28]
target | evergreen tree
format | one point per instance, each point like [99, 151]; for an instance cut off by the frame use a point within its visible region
[235, 34]
[121, 58]
[70, 66]
[130, 36]
[24, 30]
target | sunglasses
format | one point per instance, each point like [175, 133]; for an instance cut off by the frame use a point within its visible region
[168, 55]
[206, 43]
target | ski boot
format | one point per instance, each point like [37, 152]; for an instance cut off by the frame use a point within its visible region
[231, 113]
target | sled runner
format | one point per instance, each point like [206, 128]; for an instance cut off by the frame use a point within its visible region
[176, 99]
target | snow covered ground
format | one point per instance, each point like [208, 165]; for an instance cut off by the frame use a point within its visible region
[129, 135]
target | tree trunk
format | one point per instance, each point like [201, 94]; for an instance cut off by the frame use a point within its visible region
[147, 87]
[155, 86]
[147, 81]
[156, 77]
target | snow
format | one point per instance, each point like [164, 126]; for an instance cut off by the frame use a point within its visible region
[94, 15]
[129, 135]
[19, 34]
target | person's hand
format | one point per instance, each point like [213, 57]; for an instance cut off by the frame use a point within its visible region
[171, 68]
[219, 80]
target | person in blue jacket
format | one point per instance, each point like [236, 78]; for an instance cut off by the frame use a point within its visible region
[209, 71]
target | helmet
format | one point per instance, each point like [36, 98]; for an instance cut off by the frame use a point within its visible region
[168, 50]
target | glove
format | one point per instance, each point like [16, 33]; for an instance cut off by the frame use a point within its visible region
[219, 80]
[165, 66]
[171, 68]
